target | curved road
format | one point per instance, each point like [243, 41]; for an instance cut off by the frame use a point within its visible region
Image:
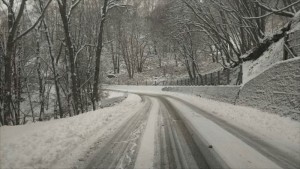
[170, 133]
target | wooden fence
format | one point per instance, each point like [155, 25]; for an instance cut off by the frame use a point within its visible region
[222, 77]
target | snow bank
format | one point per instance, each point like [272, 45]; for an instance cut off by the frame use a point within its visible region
[58, 143]
[112, 94]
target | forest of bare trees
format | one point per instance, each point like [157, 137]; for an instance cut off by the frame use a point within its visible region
[51, 51]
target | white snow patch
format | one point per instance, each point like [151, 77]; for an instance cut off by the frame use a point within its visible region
[60, 143]
[112, 94]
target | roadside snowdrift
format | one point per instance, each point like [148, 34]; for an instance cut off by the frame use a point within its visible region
[58, 143]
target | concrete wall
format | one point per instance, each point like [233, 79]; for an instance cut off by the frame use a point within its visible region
[221, 93]
[276, 90]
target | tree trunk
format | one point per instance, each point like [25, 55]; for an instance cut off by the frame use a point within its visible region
[8, 82]
[55, 76]
[40, 78]
[30, 102]
[98, 56]
[70, 47]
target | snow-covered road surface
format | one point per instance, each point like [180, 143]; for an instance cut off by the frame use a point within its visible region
[155, 130]
[177, 134]
[147, 147]
[231, 144]
[155, 137]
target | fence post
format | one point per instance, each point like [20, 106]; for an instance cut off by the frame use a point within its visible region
[218, 77]
[205, 77]
[240, 76]
[201, 78]
[212, 78]
[197, 81]
[228, 76]
[155, 83]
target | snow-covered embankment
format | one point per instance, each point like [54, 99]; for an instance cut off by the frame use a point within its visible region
[59, 143]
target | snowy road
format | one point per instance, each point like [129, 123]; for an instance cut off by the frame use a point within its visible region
[171, 133]
[156, 129]
[155, 137]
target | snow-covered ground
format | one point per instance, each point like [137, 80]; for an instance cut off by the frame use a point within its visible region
[113, 94]
[282, 132]
[60, 143]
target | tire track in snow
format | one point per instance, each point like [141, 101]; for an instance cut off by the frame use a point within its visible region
[178, 148]
[145, 158]
[120, 150]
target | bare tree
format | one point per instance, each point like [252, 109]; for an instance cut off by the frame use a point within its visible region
[14, 19]
[66, 18]
[98, 54]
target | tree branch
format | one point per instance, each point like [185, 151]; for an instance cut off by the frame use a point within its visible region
[18, 18]
[5, 3]
[34, 25]
[73, 6]
[279, 11]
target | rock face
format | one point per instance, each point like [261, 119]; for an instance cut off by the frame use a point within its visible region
[276, 90]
